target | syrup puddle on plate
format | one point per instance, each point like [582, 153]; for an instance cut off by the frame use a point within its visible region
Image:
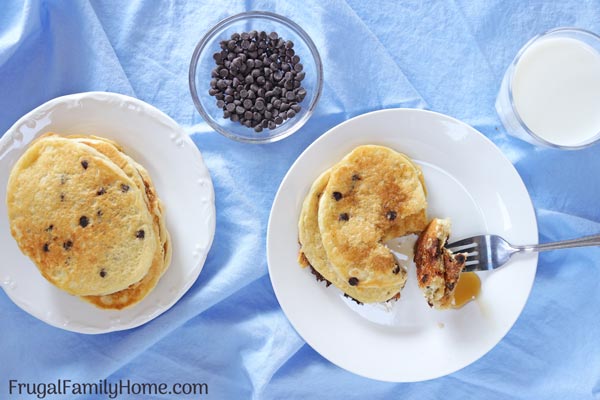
[467, 289]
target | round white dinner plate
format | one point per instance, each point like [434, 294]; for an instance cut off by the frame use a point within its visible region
[468, 180]
[182, 182]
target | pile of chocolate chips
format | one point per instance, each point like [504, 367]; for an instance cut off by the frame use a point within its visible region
[257, 80]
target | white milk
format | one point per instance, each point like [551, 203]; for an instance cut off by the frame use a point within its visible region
[556, 90]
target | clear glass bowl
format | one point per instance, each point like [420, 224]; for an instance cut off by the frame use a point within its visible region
[202, 64]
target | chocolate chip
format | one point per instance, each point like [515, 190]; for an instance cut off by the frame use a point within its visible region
[460, 258]
[356, 177]
[84, 221]
[437, 243]
[424, 278]
[450, 285]
[344, 217]
[101, 191]
[102, 273]
[396, 270]
[46, 247]
[62, 197]
[337, 196]
[124, 188]
[353, 281]
[49, 228]
[140, 234]
[391, 215]
[67, 245]
[255, 66]
[84, 164]
[99, 213]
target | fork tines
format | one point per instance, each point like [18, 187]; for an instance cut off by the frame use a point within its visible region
[469, 247]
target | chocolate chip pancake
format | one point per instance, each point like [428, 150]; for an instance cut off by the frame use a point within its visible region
[135, 171]
[313, 254]
[137, 291]
[80, 218]
[372, 195]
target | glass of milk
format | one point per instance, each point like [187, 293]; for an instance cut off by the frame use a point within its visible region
[550, 94]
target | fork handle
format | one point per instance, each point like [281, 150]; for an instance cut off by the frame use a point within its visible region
[593, 240]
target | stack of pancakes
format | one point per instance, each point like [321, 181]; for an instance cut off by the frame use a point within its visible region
[89, 217]
[372, 195]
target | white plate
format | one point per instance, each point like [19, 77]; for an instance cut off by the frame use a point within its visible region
[181, 180]
[468, 180]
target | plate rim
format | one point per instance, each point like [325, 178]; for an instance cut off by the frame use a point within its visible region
[160, 117]
[434, 114]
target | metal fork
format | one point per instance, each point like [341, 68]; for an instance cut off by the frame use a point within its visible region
[487, 252]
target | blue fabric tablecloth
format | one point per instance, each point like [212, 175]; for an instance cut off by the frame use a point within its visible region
[228, 330]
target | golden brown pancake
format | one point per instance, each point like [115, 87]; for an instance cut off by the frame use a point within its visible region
[311, 246]
[139, 290]
[80, 218]
[134, 171]
[373, 194]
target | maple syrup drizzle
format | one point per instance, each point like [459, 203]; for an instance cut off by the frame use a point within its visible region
[467, 289]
